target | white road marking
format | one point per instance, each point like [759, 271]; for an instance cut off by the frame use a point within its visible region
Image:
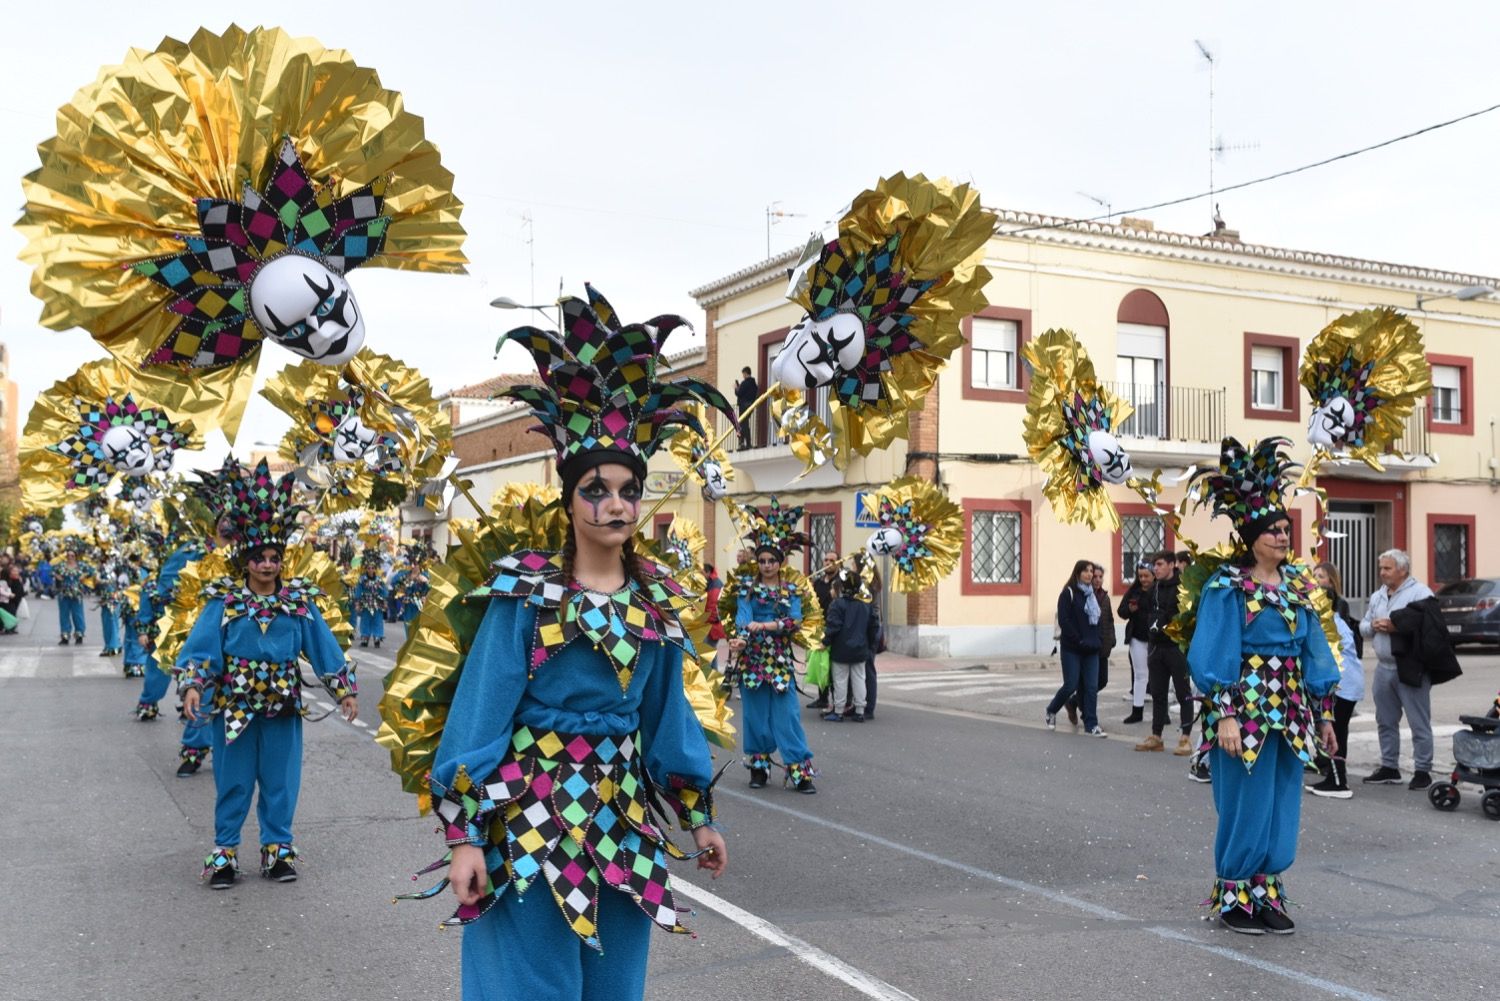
[1011, 699]
[978, 690]
[1066, 899]
[804, 951]
[917, 686]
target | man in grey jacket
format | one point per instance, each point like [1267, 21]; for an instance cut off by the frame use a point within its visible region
[1393, 699]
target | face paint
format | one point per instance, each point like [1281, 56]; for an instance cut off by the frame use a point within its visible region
[715, 486]
[885, 542]
[816, 350]
[307, 309]
[129, 450]
[596, 495]
[1110, 456]
[1331, 424]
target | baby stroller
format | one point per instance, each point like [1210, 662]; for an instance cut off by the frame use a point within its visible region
[1477, 752]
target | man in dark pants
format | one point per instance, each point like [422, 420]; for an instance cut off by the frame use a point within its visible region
[1165, 660]
[746, 392]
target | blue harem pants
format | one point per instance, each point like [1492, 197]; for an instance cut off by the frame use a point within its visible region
[771, 721]
[523, 949]
[268, 754]
[154, 687]
[372, 625]
[70, 616]
[109, 625]
[1260, 812]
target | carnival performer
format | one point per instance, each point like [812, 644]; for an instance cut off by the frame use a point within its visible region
[569, 717]
[369, 599]
[138, 576]
[111, 603]
[1260, 654]
[239, 669]
[767, 614]
[73, 580]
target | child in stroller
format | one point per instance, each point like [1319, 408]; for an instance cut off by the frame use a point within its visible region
[1477, 753]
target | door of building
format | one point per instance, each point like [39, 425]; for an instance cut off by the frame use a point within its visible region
[1354, 544]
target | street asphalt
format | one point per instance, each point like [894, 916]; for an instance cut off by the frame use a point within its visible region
[956, 849]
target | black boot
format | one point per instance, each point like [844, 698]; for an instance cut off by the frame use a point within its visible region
[377, 643]
[1137, 714]
[64, 641]
[758, 778]
[364, 642]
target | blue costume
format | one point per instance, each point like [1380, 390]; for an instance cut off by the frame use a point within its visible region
[111, 603]
[71, 580]
[560, 737]
[368, 602]
[135, 654]
[242, 655]
[156, 594]
[768, 684]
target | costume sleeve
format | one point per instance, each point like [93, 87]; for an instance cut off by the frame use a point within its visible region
[201, 661]
[743, 615]
[325, 655]
[793, 616]
[1214, 653]
[477, 734]
[676, 753]
[1320, 672]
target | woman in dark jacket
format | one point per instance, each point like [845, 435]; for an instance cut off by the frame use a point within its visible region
[1078, 615]
[1135, 609]
[1107, 641]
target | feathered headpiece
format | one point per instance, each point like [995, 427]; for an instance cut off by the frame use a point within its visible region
[260, 505]
[1249, 487]
[885, 297]
[1365, 373]
[599, 397]
[777, 528]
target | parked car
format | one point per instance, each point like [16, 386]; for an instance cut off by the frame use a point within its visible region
[1471, 609]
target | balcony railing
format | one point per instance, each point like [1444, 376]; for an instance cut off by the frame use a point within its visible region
[1416, 439]
[1172, 413]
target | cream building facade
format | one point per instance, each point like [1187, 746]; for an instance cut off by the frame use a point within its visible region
[1204, 335]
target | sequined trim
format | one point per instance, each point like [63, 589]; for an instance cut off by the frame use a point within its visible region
[1261, 892]
[195, 755]
[274, 852]
[146, 711]
[220, 858]
[799, 771]
[761, 761]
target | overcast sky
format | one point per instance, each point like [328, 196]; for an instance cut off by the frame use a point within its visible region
[646, 140]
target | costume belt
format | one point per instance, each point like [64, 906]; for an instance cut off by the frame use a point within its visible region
[1268, 697]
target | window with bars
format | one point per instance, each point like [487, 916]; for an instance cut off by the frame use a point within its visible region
[995, 550]
[1142, 536]
[1450, 557]
[824, 531]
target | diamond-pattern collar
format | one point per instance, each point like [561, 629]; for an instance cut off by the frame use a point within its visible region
[295, 598]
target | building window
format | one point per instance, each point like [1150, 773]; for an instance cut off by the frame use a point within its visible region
[1447, 394]
[1450, 539]
[1141, 536]
[1265, 378]
[996, 547]
[823, 529]
[1141, 368]
[994, 346]
[992, 362]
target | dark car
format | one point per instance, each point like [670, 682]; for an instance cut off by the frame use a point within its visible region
[1471, 609]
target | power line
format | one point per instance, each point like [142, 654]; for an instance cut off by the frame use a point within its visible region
[1268, 177]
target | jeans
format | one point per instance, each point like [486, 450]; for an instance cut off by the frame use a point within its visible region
[1080, 673]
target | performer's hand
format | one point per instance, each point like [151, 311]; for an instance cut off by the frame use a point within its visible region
[715, 854]
[736, 644]
[141, 638]
[349, 707]
[1229, 737]
[190, 700]
[466, 874]
[1330, 740]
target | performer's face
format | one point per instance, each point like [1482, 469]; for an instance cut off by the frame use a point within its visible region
[1272, 544]
[770, 566]
[606, 505]
[264, 567]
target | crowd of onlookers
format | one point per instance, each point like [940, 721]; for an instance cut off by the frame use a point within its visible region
[17, 580]
[1402, 621]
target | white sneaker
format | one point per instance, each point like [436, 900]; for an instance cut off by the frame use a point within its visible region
[1098, 731]
[1052, 721]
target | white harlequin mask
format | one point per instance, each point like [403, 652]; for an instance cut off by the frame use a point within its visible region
[352, 441]
[715, 486]
[307, 309]
[1331, 423]
[128, 450]
[885, 542]
[140, 496]
[1110, 456]
[814, 350]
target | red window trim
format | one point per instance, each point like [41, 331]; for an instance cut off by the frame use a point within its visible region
[1466, 520]
[835, 508]
[1296, 516]
[1465, 366]
[657, 522]
[1117, 543]
[1291, 399]
[1022, 318]
[967, 584]
[1393, 494]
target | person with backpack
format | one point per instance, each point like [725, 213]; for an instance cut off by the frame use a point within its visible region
[851, 629]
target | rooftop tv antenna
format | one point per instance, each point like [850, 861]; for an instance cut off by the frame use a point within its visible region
[1217, 147]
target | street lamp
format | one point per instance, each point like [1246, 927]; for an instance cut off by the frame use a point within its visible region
[1462, 295]
[506, 302]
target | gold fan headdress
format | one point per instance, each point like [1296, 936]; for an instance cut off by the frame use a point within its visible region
[168, 142]
[1069, 430]
[885, 297]
[921, 530]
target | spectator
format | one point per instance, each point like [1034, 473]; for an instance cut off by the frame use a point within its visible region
[1165, 661]
[878, 647]
[823, 589]
[849, 634]
[746, 392]
[1134, 610]
[1351, 689]
[1078, 616]
[1394, 696]
[15, 579]
[1107, 639]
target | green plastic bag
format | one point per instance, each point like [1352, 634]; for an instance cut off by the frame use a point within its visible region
[817, 668]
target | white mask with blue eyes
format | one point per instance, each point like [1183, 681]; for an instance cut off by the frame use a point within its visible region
[307, 309]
